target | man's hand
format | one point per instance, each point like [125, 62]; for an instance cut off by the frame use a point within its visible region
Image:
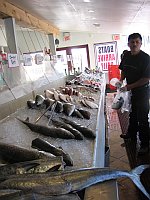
[118, 84]
[123, 89]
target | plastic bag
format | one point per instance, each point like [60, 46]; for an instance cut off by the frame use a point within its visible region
[122, 101]
[127, 102]
[118, 101]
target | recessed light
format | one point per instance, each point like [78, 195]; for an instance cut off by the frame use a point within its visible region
[87, 1]
[96, 24]
[91, 11]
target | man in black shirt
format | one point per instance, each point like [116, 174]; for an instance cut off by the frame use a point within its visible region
[135, 67]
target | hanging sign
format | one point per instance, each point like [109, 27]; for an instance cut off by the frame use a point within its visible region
[13, 60]
[27, 60]
[66, 36]
[106, 54]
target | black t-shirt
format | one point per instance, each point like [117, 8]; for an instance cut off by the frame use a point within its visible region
[135, 67]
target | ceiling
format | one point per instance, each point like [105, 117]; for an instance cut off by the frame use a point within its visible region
[109, 16]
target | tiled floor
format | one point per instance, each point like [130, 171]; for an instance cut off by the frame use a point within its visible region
[118, 155]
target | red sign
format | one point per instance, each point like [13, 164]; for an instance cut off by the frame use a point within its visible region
[116, 37]
[113, 72]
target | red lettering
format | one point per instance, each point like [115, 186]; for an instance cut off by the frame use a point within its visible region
[113, 57]
[106, 57]
[99, 58]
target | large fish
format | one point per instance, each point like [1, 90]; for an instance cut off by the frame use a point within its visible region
[86, 114]
[64, 182]
[34, 166]
[46, 146]
[17, 195]
[14, 153]
[49, 131]
[68, 108]
[76, 113]
[60, 197]
[84, 130]
[10, 194]
[68, 127]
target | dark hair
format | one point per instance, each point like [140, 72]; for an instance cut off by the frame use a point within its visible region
[134, 36]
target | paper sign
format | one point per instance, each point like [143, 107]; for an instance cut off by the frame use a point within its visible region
[27, 60]
[106, 54]
[38, 59]
[13, 60]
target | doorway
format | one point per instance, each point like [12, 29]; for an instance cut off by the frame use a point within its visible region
[73, 59]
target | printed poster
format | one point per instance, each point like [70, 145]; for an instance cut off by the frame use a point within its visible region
[106, 54]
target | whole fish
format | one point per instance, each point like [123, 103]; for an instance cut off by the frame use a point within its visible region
[68, 108]
[31, 104]
[84, 130]
[68, 127]
[49, 102]
[90, 104]
[39, 99]
[49, 131]
[60, 197]
[59, 107]
[86, 114]
[76, 113]
[49, 94]
[46, 146]
[34, 166]
[14, 153]
[64, 182]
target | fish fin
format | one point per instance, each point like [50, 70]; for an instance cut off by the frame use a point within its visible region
[138, 170]
[28, 166]
[27, 119]
[55, 168]
[136, 178]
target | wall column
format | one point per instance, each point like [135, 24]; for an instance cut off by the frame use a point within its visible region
[10, 28]
[12, 75]
[52, 43]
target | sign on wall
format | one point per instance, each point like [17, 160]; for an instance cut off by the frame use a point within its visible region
[13, 60]
[27, 60]
[106, 54]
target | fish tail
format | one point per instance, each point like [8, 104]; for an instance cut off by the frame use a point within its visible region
[134, 175]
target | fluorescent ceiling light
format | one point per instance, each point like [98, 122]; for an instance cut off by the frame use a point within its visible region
[87, 1]
[96, 24]
[91, 11]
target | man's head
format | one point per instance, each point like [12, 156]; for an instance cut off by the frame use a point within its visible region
[134, 43]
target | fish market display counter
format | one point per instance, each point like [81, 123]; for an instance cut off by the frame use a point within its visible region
[85, 153]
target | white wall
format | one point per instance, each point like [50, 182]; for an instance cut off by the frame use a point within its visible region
[85, 38]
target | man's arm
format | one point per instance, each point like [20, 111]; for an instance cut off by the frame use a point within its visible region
[138, 83]
[122, 76]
